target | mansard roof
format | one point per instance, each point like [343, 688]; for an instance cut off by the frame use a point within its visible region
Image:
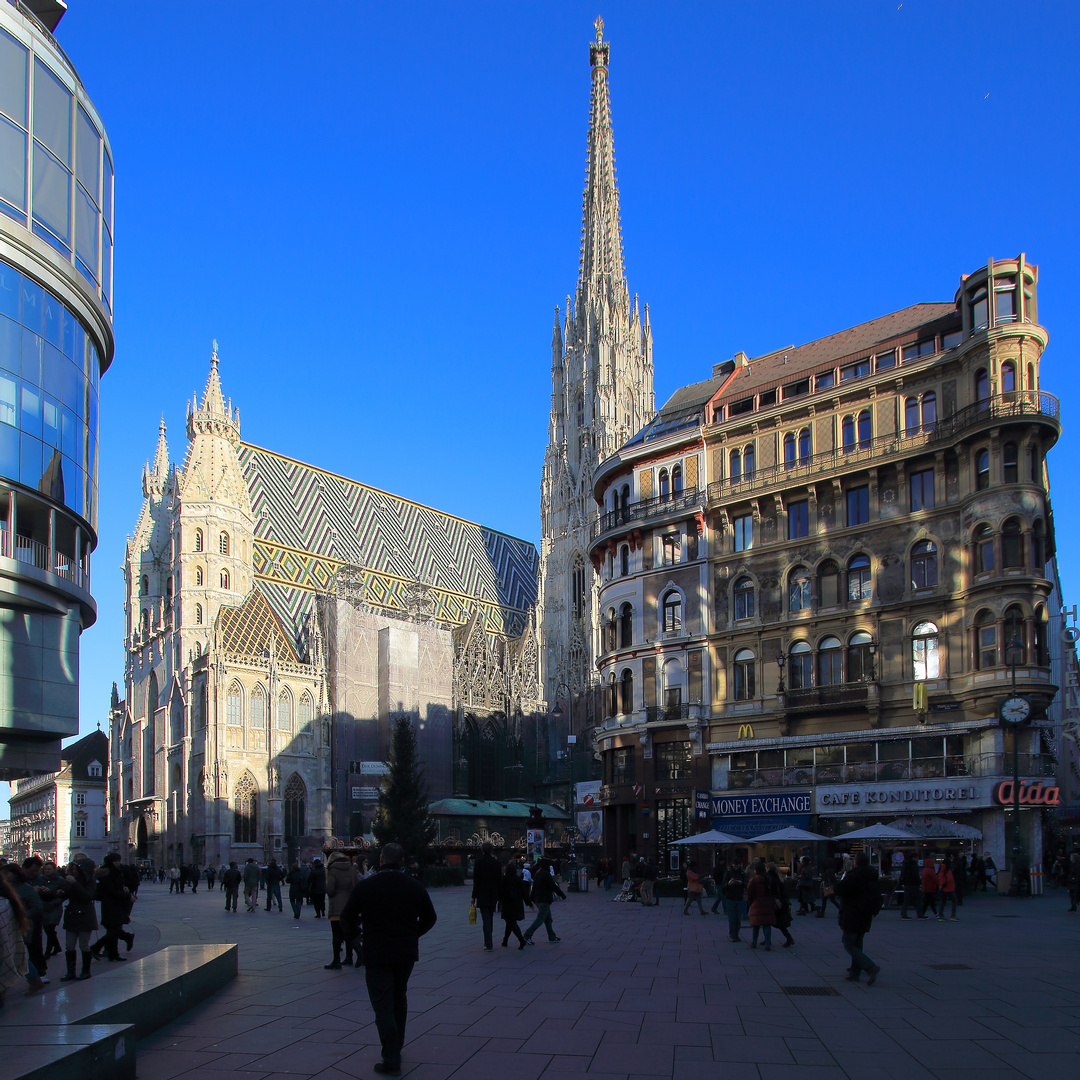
[252, 629]
[309, 522]
[78, 756]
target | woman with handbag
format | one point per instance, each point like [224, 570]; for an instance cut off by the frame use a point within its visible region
[828, 887]
[762, 906]
[694, 889]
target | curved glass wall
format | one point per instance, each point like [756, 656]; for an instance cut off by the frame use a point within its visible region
[49, 372]
[56, 175]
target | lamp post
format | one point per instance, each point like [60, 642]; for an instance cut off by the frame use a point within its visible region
[571, 739]
[871, 648]
[781, 660]
[571, 742]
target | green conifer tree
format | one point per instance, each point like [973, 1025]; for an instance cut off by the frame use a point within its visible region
[403, 816]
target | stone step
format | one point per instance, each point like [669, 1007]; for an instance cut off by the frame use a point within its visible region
[54, 1052]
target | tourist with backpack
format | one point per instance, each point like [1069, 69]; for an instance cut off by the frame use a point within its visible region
[860, 901]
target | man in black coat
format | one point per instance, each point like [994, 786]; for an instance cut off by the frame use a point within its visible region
[485, 889]
[394, 911]
[860, 901]
[544, 889]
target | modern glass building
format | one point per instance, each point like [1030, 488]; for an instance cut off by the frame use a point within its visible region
[56, 341]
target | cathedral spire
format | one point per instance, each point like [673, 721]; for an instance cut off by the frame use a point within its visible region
[156, 476]
[213, 415]
[601, 232]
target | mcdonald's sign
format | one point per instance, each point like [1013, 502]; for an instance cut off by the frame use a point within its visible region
[919, 697]
[746, 731]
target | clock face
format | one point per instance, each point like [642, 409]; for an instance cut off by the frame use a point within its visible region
[1015, 710]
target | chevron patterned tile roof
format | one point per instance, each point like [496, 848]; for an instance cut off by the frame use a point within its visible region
[309, 522]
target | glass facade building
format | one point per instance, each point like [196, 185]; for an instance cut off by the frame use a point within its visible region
[56, 341]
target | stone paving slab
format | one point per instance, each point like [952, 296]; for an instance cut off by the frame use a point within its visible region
[633, 993]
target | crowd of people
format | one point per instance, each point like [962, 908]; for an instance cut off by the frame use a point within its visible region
[38, 899]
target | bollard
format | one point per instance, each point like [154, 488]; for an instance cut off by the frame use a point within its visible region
[1036, 883]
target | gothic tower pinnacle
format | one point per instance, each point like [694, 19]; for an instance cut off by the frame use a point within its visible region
[601, 395]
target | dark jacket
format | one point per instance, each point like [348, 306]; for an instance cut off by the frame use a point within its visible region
[485, 885]
[297, 885]
[114, 896]
[79, 913]
[759, 895]
[53, 900]
[394, 911]
[860, 899]
[231, 879]
[251, 874]
[783, 911]
[513, 895]
[317, 880]
[910, 877]
[734, 884]
[274, 875]
[544, 886]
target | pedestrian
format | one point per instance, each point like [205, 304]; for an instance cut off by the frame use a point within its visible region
[978, 873]
[340, 882]
[30, 900]
[193, 878]
[960, 870]
[513, 896]
[13, 926]
[295, 879]
[251, 877]
[317, 887]
[80, 918]
[946, 889]
[762, 906]
[989, 870]
[783, 904]
[911, 882]
[733, 892]
[1072, 880]
[694, 889]
[828, 886]
[231, 881]
[393, 911]
[650, 873]
[807, 886]
[928, 887]
[274, 875]
[860, 901]
[115, 900]
[485, 889]
[544, 890]
[211, 875]
[52, 903]
[624, 874]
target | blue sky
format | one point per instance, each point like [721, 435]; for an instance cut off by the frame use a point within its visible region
[375, 215]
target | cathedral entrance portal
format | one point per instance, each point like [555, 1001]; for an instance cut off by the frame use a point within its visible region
[142, 845]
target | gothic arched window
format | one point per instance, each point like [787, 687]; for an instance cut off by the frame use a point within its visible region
[676, 480]
[198, 540]
[198, 575]
[234, 706]
[624, 560]
[223, 543]
[665, 486]
[295, 806]
[284, 711]
[577, 587]
[748, 462]
[198, 615]
[672, 613]
[257, 715]
[245, 810]
[224, 579]
[304, 716]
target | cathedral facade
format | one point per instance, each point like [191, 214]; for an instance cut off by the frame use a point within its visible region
[279, 619]
[601, 395]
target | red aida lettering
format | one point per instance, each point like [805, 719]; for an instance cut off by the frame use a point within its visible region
[1035, 794]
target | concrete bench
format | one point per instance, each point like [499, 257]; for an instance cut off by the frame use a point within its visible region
[123, 1005]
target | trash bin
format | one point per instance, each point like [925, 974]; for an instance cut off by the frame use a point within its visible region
[583, 879]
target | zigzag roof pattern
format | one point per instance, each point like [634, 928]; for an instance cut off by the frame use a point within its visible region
[300, 509]
[252, 627]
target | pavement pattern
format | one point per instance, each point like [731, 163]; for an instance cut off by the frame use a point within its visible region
[634, 992]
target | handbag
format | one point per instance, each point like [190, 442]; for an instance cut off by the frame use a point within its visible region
[472, 913]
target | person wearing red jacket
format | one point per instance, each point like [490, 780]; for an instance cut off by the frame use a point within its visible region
[946, 889]
[929, 887]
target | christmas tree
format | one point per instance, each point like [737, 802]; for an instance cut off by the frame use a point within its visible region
[403, 815]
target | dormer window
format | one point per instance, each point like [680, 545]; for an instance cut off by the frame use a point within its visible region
[94, 769]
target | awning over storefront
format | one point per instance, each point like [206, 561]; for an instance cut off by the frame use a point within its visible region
[938, 829]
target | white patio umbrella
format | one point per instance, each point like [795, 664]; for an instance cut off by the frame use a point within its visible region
[880, 831]
[713, 836]
[791, 833]
[940, 830]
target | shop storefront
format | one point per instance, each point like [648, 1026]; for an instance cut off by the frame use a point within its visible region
[748, 815]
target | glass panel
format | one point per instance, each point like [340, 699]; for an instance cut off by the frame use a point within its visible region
[860, 753]
[86, 231]
[52, 112]
[29, 460]
[10, 291]
[33, 305]
[52, 195]
[72, 382]
[30, 420]
[10, 345]
[50, 422]
[13, 67]
[829, 755]
[107, 191]
[106, 263]
[31, 357]
[52, 367]
[9, 450]
[87, 155]
[8, 405]
[12, 164]
[54, 320]
[803, 755]
[68, 427]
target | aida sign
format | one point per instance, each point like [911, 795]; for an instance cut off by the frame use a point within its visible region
[1031, 793]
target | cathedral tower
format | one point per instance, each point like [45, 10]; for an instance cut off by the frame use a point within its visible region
[601, 395]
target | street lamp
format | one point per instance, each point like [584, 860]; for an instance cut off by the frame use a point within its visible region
[781, 660]
[571, 742]
[871, 648]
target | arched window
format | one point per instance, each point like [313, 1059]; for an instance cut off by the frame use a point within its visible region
[924, 573]
[911, 415]
[830, 662]
[626, 692]
[859, 664]
[611, 629]
[984, 549]
[1015, 635]
[866, 431]
[1008, 377]
[800, 661]
[980, 309]
[198, 615]
[745, 675]
[1042, 657]
[245, 810]
[673, 687]
[735, 466]
[234, 706]
[858, 579]
[1004, 300]
[624, 498]
[304, 716]
[257, 712]
[924, 652]
[799, 589]
[982, 386]
[986, 645]
[676, 480]
[626, 626]
[829, 584]
[624, 560]
[144, 622]
[284, 711]
[748, 462]
[929, 411]
[744, 598]
[577, 587]
[295, 807]
[982, 470]
[665, 486]
[673, 619]
[144, 586]
[1010, 472]
[804, 446]
[579, 408]
[168, 589]
[1038, 546]
[848, 433]
[1012, 544]
[225, 579]
[613, 696]
[198, 575]
[789, 450]
[176, 723]
[198, 540]
[223, 543]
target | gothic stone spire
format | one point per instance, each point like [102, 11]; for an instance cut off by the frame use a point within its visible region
[213, 416]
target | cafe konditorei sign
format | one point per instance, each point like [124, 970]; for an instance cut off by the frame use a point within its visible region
[963, 793]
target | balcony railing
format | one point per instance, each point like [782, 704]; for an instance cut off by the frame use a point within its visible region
[833, 697]
[654, 713]
[1010, 406]
[35, 553]
[626, 516]
[958, 767]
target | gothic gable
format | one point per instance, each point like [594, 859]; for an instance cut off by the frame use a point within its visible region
[253, 629]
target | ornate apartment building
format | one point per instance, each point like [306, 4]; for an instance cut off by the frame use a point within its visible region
[818, 572]
[601, 395]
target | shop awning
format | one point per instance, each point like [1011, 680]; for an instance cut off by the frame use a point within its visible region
[791, 833]
[939, 829]
[880, 831]
[713, 836]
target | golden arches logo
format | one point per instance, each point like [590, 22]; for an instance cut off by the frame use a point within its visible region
[746, 731]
